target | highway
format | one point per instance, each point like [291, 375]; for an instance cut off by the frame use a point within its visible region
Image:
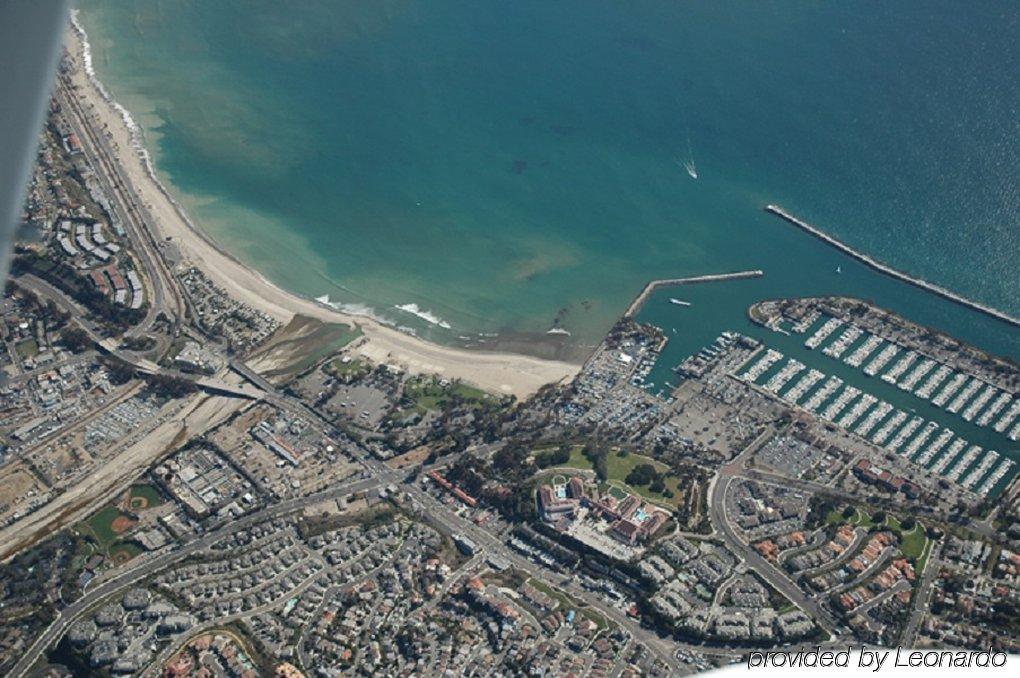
[107, 345]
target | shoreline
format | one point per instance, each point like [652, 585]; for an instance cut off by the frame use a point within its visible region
[503, 372]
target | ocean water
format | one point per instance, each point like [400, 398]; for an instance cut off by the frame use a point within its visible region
[510, 166]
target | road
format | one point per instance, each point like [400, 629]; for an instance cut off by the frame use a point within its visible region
[213, 385]
[773, 575]
[931, 516]
[922, 597]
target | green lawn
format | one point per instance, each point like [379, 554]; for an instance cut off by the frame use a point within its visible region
[912, 542]
[428, 394]
[920, 563]
[618, 468]
[26, 349]
[859, 519]
[567, 603]
[100, 526]
[147, 492]
[123, 551]
[348, 371]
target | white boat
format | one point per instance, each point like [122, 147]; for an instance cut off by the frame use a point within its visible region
[679, 302]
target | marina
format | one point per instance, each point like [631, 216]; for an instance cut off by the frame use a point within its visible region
[929, 453]
[1006, 419]
[840, 402]
[904, 433]
[806, 383]
[791, 369]
[951, 455]
[910, 381]
[994, 409]
[899, 368]
[830, 386]
[888, 427]
[861, 353]
[963, 396]
[979, 402]
[933, 382]
[880, 412]
[880, 361]
[857, 411]
[838, 347]
[915, 445]
[954, 385]
[924, 443]
[830, 326]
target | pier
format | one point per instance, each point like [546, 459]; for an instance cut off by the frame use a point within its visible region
[889, 270]
[653, 285]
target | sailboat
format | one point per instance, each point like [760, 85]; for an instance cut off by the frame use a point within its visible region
[839, 269]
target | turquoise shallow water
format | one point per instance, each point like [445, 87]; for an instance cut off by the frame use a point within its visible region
[504, 165]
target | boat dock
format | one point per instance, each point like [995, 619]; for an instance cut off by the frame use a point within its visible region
[889, 270]
[653, 285]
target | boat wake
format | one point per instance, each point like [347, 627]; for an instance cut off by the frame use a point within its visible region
[692, 170]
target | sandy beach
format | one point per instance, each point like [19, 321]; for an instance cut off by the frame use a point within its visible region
[498, 372]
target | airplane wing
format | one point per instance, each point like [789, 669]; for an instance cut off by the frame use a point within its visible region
[30, 43]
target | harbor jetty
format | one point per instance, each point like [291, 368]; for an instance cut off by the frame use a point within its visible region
[653, 285]
[889, 270]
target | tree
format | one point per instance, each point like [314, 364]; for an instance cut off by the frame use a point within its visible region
[120, 371]
[75, 339]
[175, 387]
[642, 474]
[557, 457]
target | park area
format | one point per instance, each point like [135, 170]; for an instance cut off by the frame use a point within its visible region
[428, 393]
[621, 466]
[141, 497]
[105, 529]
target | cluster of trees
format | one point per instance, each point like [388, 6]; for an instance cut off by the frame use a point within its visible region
[505, 482]
[75, 339]
[597, 454]
[646, 474]
[68, 280]
[163, 384]
[557, 457]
